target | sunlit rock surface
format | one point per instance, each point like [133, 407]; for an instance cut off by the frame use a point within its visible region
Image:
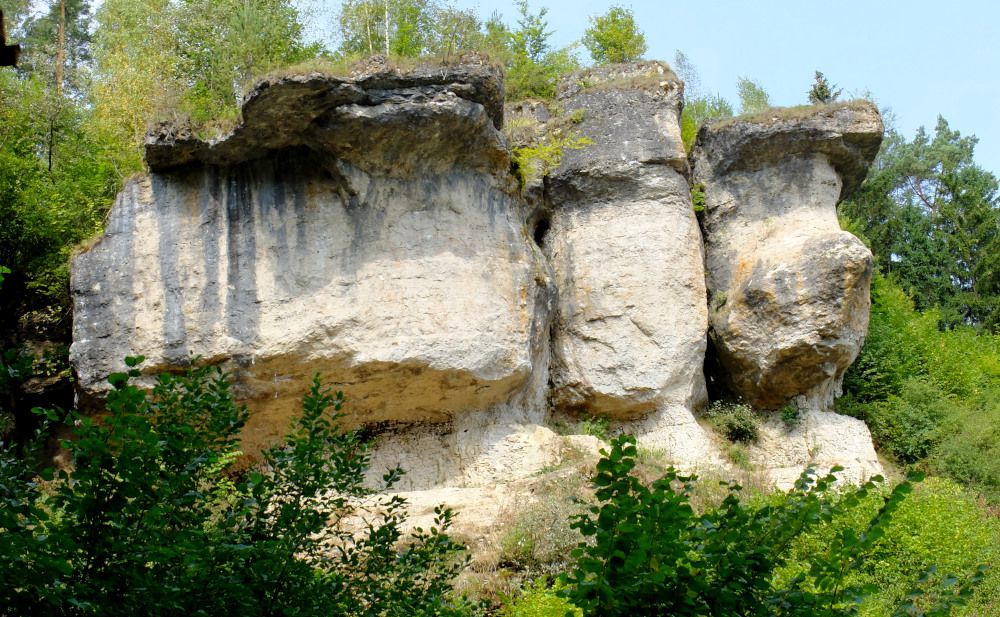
[371, 229]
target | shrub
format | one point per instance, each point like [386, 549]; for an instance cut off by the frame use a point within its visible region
[538, 538]
[541, 158]
[539, 600]
[649, 553]
[790, 415]
[152, 521]
[596, 426]
[930, 397]
[736, 421]
[940, 524]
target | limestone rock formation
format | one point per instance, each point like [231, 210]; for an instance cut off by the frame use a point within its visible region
[366, 229]
[370, 228]
[789, 291]
[624, 243]
[629, 333]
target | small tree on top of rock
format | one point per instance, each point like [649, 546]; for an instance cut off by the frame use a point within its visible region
[753, 97]
[614, 37]
[822, 92]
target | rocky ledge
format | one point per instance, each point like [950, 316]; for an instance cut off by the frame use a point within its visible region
[341, 116]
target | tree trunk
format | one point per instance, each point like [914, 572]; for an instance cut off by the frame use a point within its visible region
[386, 29]
[61, 49]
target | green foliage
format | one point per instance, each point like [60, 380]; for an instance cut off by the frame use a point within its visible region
[222, 44]
[614, 37]
[822, 92]
[649, 553]
[533, 67]
[697, 112]
[537, 160]
[698, 197]
[931, 216]
[736, 421]
[753, 97]
[539, 600]
[930, 397]
[41, 54]
[790, 415]
[938, 529]
[403, 28]
[539, 539]
[907, 425]
[151, 521]
[699, 107]
[596, 426]
[55, 188]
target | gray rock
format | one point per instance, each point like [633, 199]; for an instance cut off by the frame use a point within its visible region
[381, 244]
[369, 228]
[629, 334]
[406, 112]
[788, 290]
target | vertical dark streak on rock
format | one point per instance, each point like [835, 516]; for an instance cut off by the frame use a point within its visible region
[242, 312]
[301, 220]
[169, 212]
[208, 219]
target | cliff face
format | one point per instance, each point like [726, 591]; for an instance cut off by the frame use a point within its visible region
[370, 229]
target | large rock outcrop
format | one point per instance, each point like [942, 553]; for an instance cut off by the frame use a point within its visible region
[370, 229]
[624, 243]
[366, 229]
[788, 289]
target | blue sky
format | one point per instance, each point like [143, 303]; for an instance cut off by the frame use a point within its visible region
[921, 59]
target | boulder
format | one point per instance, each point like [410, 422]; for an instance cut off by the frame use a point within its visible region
[788, 289]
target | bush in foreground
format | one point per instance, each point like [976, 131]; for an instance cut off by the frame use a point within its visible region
[151, 521]
[649, 553]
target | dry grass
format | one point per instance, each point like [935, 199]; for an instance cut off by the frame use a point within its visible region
[528, 540]
[647, 80]
[346, 67]
[774, 115]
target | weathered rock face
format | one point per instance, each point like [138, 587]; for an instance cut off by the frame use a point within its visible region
[629, 335]
[624, 243]
[311, 240]
[370, 229]
[789, 291]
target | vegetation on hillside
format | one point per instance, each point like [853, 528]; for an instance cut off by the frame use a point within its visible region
[155, 518]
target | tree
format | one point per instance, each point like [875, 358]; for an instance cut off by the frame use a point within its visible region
[614, 37]
[404, 28]
[221, 44]
[932, 218]
[533, 67]
[688, 73]
[455, 31]
[753, 97]
[135, 56]
[822, 92]
[699, 107]
[57, 44]
[157, 519]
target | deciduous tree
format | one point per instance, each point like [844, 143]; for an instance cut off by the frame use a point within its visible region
[614, 37]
